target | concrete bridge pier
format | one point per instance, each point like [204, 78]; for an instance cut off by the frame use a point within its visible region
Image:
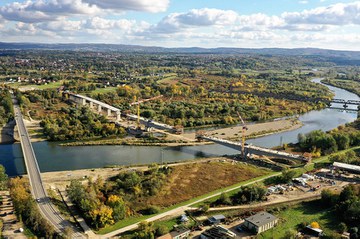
[91, 104]
[108, 112]
[99, 108]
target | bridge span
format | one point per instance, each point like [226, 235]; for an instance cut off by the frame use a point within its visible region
[47, 209]
[251, 149]
[115, 113]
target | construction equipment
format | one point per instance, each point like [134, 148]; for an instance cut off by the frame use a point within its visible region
[243, 131]
[137, 103]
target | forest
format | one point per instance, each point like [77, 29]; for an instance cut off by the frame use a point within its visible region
[6, 107]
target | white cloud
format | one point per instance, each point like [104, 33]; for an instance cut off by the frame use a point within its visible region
[42, 11]
[303, 2]
[134, 5]
[204, 17]
[337, 14]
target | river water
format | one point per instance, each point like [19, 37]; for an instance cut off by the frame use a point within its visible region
[52, 157]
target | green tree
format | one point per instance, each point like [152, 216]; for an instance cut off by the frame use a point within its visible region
[287, 175]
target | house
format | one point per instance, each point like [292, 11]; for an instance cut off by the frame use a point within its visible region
[216, 219]
[217, 232]
[260, 222]
[180, 232]
[177, 233]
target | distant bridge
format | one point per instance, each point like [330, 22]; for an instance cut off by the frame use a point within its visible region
[251, 149]
[112, 112]
[345, 102]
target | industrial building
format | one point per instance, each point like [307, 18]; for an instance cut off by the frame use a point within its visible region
[260, 222]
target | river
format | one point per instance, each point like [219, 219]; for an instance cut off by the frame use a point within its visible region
[52, 157]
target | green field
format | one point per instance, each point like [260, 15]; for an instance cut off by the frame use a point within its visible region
[306, 212]
[103, 90]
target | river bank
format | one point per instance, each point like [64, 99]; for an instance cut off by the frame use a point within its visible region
[189, 139]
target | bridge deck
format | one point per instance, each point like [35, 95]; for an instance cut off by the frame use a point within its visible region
[254, 149]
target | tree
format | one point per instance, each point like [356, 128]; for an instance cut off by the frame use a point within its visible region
[102, 216]
[162, 230]
[287, 175]
[3, 178]
[342, 227]
[224, 199]
[290, 234]
[314, 225]
[118, 206]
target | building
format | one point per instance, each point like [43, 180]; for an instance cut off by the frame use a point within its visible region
[347, 167]
[260, 222]
[177, 233]
[180, 233]
[216, 219]
[217, 232]
[313, 232]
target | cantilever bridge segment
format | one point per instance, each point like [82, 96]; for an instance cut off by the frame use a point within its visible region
[251, 149]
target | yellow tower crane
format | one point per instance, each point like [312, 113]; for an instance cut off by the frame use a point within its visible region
[243, 132]
[137, 103]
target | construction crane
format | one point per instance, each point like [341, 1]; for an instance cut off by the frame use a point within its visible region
[137, 103]
[243, 131]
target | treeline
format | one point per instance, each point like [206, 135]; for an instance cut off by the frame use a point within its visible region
[107, 202]
[346, 206]
[27, 210]
[246, 194]
[75, 123]
[322, 143]
[6, 107]
[349, 157]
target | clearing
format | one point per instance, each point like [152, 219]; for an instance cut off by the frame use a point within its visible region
[187, 181]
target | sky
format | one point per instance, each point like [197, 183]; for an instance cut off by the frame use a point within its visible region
[325, 24]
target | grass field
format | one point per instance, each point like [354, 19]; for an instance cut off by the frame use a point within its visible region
[103, 90]
[306, 212]
[169, 79]
[191, 180]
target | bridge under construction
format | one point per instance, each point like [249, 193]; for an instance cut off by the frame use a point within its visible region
[248, 149]
[251, 149]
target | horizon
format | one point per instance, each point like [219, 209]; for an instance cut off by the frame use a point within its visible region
[321, 24]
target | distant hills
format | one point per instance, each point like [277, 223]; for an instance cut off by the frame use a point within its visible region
[345, 55]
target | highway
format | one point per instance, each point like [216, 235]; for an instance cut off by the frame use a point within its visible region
[47, 209]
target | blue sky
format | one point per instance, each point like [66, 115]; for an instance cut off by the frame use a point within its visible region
[327, 24]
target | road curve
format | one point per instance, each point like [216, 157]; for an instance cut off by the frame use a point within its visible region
[47, 209]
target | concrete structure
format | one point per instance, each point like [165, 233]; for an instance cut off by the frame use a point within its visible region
[152, 124]
[47, 209]
[347, 167]
[180, 233]
[217, 232]
[99, 106]
[260, 222]
[251, 149]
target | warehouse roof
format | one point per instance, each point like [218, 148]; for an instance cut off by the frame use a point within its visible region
[261, 218]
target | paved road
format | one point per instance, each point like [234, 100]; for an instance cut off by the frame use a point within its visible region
[38, 191]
